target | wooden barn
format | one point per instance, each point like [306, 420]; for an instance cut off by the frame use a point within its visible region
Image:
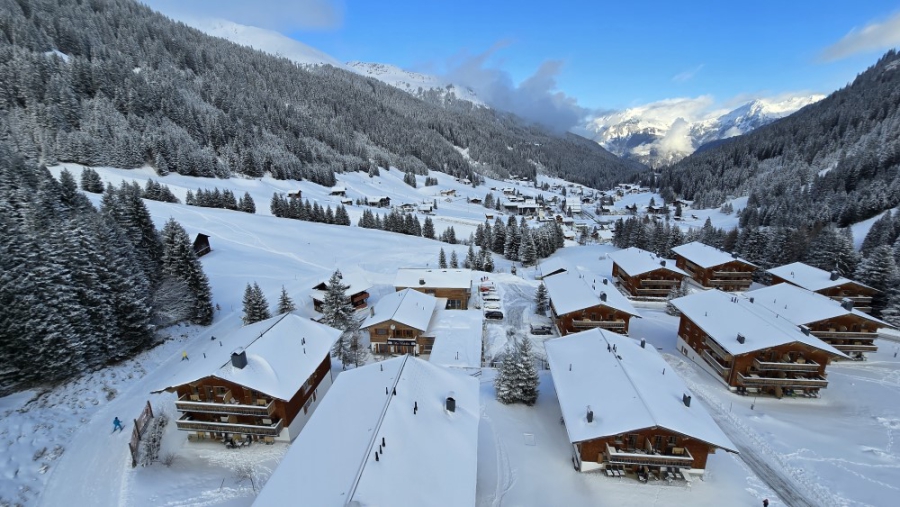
[454, 285]
[714, 269]
[749, 348]
[579, 302]
[397, 323]
[829, 284]
[261, 382]
[627, 412]
[644, 274]
[201, 245]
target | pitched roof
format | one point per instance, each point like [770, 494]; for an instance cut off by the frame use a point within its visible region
[723, 316]
[635, 261]
[353, 419]
[552, 265]
[629, 389]
[408, 307]
[457, 338]
[801, 306]
[706, 256]
[569, 292]
[434, 278]
[356, 283]
[282, 353]
[810, 277]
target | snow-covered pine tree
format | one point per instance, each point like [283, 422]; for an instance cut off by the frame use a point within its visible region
[428, 228]
[91, 182]
[246, 204]
[442, 259]
[878, 271]
[527, 250]
[180, 261]
[350, 348]
[517, 380]
[285, 303]
[541, 300]
[454, 260]
[486, 259]
[470, 262]
[527, 373]
[504, 382]
[336, 307]
[256, 307]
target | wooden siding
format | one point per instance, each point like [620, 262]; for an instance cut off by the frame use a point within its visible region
[604, 317]
[665, 441]
[861, 295]
[730, 277]
[457, 299]
[402, 339]
[656, 283]
[850, 334]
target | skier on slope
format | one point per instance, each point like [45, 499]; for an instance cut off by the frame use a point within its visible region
[117, 424]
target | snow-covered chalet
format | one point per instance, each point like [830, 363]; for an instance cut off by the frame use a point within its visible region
[644, 274]
[454, 285]
[357, 290]
[714, 269]
[829, 284]
[578, 303]
[398, 321]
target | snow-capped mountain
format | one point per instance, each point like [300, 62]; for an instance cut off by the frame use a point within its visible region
[664, 132]
[413, 82]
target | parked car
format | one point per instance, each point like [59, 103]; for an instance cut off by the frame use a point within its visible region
[493, 314]
[490, 296]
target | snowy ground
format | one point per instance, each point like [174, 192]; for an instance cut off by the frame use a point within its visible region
[57, 448]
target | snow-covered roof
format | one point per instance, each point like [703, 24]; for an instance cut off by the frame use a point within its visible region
[356, 283]
[282, 353]
[429, 457]
[570, 292]
[339, 188]
[706, 256]
[457, 338]
[408, 307]
[810, 277]
[628, 389]
[635, 261]
[434, 278]
[723, 316]
[553, 264]
[801, 306]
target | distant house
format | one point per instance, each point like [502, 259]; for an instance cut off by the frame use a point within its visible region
[658, 210]
[714, 269]
[407, 207]
[749, 348]
[627, 411]
[836, 323]
[528, 208]
[573, 205]
[454, 285]
[346, 201]
[552, 266]
[380, 201]
[426, 207]
[449, 192]
[295, 195]
[201, 245]
[341, 191]
[406, 432]
[644, 274]
[578, 304]
[828, 284]
[475, 200]
[398, 321]
[263, 383]
[357, 291]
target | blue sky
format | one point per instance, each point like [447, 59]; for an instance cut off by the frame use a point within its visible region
[599, 54]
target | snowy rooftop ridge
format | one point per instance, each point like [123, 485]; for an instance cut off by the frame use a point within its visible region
[457, 336]
[552, 265]
[434, 278]
[810, 277]
[282, 353]
[401, 427]
[571, 291]
[629, 388]
[706, 256]
[801, 306]
[724, 317]
[408, 307]
[636, 261]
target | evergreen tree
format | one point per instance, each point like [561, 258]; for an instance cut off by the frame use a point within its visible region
[878, 271]
[454, 261]
[246, 204]
[428, 228]
[336, 308]
[91, 182]
[180, 262]
[442, 259]
[487, 260]
[256, 308]
[470, 262]
[541, 300]
[349, 348]
[517, 380]
[527, 251]
[285, 303]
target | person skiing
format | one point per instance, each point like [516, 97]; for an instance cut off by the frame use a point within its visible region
[117, 424]
[184, 356]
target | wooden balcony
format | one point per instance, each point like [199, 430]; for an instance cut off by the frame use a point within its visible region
[654, 292]
[785, 366]
[732, 274]
[720, 368]
[717, 282]
[602, 324]
[715, 347]
[789, 382]
[857, 300]
[667, 283]
[186, 423]
[855, 347]
[649, 458]
[839, 335]
[185, 404]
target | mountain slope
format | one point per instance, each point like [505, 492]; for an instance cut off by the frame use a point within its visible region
[664, 132]
[419, 85]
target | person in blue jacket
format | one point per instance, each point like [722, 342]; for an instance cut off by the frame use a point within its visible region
[117, 424]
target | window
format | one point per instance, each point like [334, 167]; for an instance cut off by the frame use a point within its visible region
[454, 304]
[381, 332]
[220, 391]
[673, 441]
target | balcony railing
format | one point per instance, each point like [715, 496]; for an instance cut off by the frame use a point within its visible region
[732, 274]
[185, 423]
[854, 335]
[669, 283]
[715, 282]
[720, 368]
[855, 347]
[185, 404]
[785, 366]
[603, 324]
[801, 382]
[715, 347]
[856, 299]
[654, 292]
[618, 457]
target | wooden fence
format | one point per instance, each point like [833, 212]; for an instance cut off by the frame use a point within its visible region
[140, 425]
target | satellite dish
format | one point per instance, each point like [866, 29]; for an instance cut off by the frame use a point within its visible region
[393, 327]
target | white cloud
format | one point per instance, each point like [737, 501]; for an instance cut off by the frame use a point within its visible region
[280, 15]
[687, 75]
[876, 36]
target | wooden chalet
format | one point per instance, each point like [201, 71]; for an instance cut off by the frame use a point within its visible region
[357, 290]
[552, 266]
[379, 201]
[341, 191]
[829, 284]
[749, 348]
[658, 210]
[838, 324]
[627, 412]
[397, 323]
[714, 269]
[201, 245]
[295, 195]
[261, 382]
[403, 432]
[644, 274]
[578, 303]
[454, 285]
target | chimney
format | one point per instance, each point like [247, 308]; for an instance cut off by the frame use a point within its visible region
[371, 311]
[451, 403]
[603, 296]
[741, 338]
[239, 358]
[751, 300]
[805, 329]
[847, 304]
[662, 263]
[643, 343]
[834, 275]
[686, 399]
[421, 281]
[605, 281]
[590, 414]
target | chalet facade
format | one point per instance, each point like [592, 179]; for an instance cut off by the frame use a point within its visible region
[578, 304]
[201, 245]
[827, 284]
[379, 201]
[357, 290]
[838, 324]
[341, 191]
[266, 388]
[454, 285]
[627, 412]
[397, 323]
[749, 348]
[644, 274]
[714, 269]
